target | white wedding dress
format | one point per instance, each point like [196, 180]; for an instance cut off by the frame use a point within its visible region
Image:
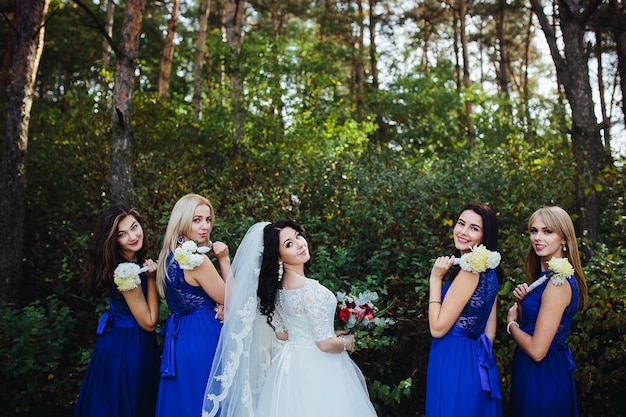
[303, 380]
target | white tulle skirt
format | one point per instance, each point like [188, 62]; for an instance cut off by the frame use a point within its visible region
[303, 381]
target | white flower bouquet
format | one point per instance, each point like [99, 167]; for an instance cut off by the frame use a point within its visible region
[189, 255]
[478, 260]
[560, 270]
[126, 276]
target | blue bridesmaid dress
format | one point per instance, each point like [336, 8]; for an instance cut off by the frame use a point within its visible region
[462, 377]
[123, 375]
[545, 388]
[191, 336]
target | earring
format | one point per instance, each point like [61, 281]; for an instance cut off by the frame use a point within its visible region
[180, 240]
[564, 247]
[280, 271]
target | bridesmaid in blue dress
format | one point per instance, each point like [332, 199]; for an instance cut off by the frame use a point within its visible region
[542, 378]
[194, 291]
[123, 374]
[462, 377]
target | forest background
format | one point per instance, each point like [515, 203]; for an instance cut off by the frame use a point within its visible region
[371, 123]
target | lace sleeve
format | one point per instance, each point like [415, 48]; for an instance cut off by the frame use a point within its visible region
[320, 311]
[278, 322]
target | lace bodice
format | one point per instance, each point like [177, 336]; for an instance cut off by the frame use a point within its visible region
[308, 313]
[532, 303]
[181, 297]
[474, 316]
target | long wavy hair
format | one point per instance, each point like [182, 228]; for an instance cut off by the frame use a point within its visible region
[490, 234]
[268, 275]
[104, 252]
[559, 222]
[179, 225]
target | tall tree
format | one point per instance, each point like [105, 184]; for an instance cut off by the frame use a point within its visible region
[462, 10]
[619, 32]
[503, 77]
[165, 65]
[106, 48]
[120, 159]
[198, 63]
[359, 65]
[9, 13]
[233, 21]
[573, 74]
[29, 34]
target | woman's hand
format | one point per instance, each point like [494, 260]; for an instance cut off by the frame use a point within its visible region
[520, 292]
[152, 267]
[513, 313]
[220, 249]
[441, 267]
[219, 312]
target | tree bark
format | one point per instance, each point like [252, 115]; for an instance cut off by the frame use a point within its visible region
[359, 68]
[503, 77]
[106, 49]
[619, 33]
[7, 61]
[573, 74]
[205, 8]
[233, 20]
[165, 66]
[469, 125]
[121, 161]
[28, 49]
[380, 121]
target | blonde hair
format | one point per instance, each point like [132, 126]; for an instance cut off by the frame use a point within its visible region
[179, 225]
[559, 222]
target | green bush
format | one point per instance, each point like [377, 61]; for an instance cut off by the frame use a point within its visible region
[37, 362]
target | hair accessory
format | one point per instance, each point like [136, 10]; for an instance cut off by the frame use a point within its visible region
[280, 271]
[180, 240]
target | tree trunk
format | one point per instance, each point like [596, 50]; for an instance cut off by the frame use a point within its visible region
[380, 122]
[120, 159]
[7, 61]
[198, 63]
[619, 33]
[28, 48]
[359, 69]
[469, 125]
[503, 77]
[106, 50]
[587, 147]
[233, 20]
[165, 66]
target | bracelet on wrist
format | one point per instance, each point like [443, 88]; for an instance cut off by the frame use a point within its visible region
[508, 326]
[344, 343]
[435, 302]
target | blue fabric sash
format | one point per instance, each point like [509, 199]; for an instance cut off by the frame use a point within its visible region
[109, 320]
[170, 331]
[487, 368]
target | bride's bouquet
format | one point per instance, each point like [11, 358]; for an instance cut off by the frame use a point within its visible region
[359, 312]
[560, 270]
[478, 260]
[189, 255]
[126, 276]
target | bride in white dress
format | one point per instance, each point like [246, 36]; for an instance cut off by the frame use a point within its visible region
[268, 298]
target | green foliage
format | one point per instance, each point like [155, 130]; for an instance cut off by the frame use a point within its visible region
[376, 212]
[599, 338]
[36, 359]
